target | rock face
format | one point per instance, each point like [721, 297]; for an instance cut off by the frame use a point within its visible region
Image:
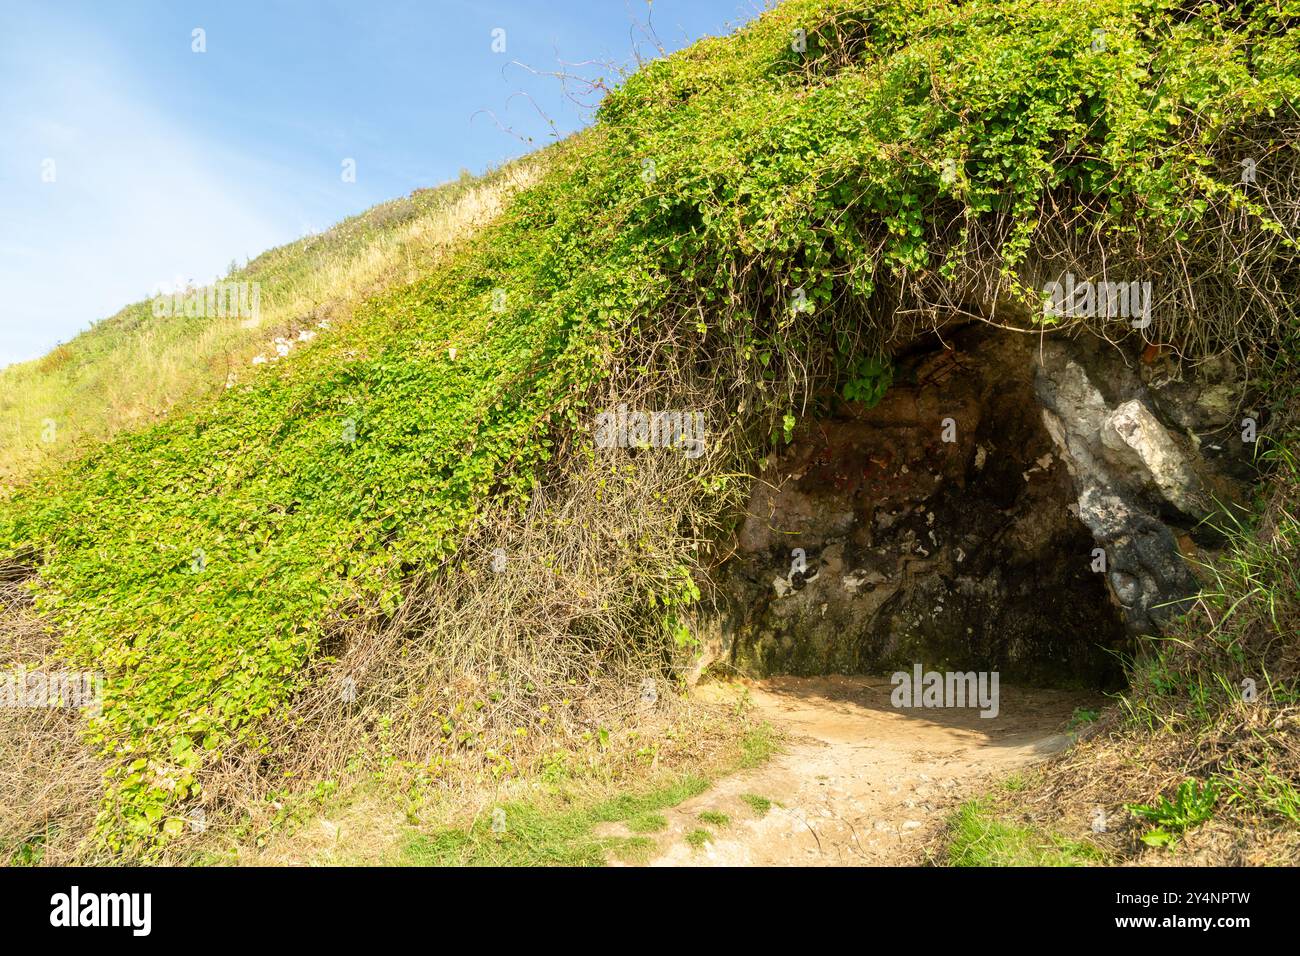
[1125, 466]
[1011, 504]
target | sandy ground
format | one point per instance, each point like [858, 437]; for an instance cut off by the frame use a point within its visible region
[860, 782]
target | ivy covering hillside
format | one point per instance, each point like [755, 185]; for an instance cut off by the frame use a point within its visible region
[137, 366]
[815, 186]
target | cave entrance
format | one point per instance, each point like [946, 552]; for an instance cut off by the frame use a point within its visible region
[939, 527]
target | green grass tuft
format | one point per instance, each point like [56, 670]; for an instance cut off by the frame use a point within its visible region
[759, 746]
[978, 838]
[647, 823]
[760, 805]
[697, 839]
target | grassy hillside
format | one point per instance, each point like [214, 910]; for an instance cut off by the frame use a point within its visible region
[746, 220]
[134, 367]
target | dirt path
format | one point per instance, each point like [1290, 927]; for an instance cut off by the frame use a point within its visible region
[860, 782]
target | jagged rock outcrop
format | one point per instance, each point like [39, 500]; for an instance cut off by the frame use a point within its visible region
[1140, 485]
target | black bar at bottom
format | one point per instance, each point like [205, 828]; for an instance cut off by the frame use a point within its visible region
[219, 906]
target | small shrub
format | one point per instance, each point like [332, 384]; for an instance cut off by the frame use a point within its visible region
[1192, 805]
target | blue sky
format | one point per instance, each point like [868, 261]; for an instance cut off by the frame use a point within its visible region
[128, 160]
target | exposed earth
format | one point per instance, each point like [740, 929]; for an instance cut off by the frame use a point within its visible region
[859, 781]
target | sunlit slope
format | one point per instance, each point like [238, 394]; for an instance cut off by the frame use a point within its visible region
[133, 368]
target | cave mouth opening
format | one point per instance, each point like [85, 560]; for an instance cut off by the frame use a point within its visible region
[938, 528]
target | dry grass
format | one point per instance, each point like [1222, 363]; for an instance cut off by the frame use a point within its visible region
[50, 778]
